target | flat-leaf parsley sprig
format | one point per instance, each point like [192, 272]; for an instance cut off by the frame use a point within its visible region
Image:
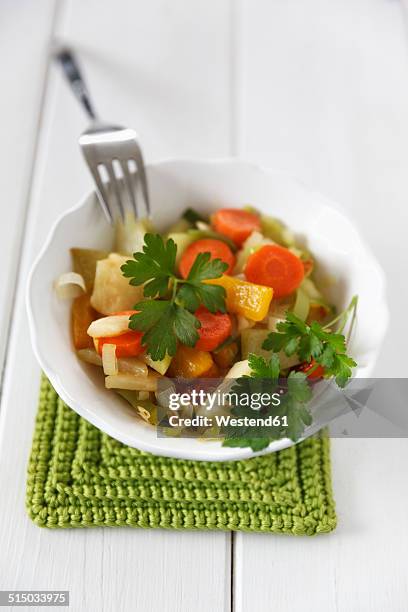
[316, 344]
[169, 318]
[292, 415]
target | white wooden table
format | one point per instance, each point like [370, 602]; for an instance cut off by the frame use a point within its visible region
[317, 88]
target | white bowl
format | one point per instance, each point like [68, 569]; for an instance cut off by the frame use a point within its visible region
[205, 185]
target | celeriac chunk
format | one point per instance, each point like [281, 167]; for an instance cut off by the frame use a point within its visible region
[112, 291]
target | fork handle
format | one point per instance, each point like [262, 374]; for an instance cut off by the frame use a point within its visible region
[74, 77]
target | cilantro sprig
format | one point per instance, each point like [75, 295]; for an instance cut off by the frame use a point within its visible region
[167, 317]
[316, 344]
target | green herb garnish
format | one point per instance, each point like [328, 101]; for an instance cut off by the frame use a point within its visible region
[169, 318]
[292, 415]
[192, 216]
[315, 343]
[312, 343]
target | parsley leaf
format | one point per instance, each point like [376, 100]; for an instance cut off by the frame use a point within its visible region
[156, 265]
[313, 343]
[260, 368]
[298, 387]
[289, 418]
[159, 334]
[195, 292]
[163, 323]
[149, 314]
[185, 326]
[341, 368]
[167, 321]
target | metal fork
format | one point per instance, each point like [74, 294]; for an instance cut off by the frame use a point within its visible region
[109, 150]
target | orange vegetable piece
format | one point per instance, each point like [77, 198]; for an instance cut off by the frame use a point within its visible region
[127, 345]
[217, 249]
[225, 357]
[213, 372]
[274, 266]
[190, 362]
[247, 299]
[215, 329]
[235, 223]
[82, 315]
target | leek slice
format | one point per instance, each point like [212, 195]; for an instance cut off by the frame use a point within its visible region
[146, 409]
[109, 361]
[69, 286]
[90, 356]
[131, 382]
[130, 234]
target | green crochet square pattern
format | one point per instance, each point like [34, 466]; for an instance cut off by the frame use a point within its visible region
[80, 477]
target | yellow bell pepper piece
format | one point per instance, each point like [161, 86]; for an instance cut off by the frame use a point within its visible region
[247, 299]
[190, 362]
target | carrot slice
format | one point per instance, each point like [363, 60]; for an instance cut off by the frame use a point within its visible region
[215, 328]
[274, 266]
[236, 224]
[127, 345]
[216, 248]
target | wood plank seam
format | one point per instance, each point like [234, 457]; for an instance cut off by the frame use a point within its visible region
[23, 232]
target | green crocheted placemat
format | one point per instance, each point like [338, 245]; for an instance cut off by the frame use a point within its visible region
[80, 477]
